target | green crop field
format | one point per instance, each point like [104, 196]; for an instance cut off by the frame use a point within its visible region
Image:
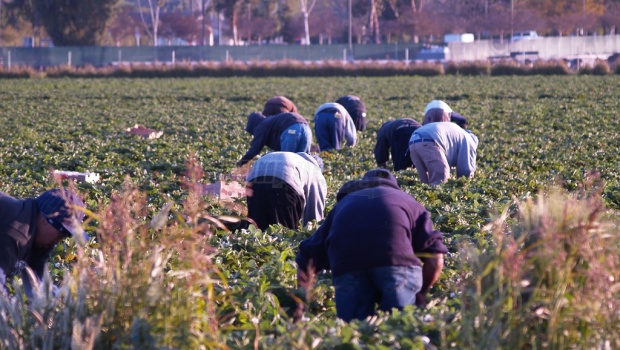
[538, 135]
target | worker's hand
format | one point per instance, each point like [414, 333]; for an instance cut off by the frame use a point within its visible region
[298, 315]
[420, 300]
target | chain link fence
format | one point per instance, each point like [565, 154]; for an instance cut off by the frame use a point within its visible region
[596, 47]
[104, 56]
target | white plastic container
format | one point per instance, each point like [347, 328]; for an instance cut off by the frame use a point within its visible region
[77, 176]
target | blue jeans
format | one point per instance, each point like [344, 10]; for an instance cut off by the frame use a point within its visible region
[329, 131]
[357, 292]
[297, 138]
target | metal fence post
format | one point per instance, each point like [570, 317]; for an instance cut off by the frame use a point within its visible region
[407, 56]
[174, 54]
[69, 59]
[119, 56]
[9, 60]
[344, 55]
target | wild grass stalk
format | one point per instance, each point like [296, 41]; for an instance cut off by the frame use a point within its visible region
[146, 283]
[549, 282]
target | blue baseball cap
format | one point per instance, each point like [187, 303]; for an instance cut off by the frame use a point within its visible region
[58, 206]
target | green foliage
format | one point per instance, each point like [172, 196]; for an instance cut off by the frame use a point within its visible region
[75, 22]
[237, 289]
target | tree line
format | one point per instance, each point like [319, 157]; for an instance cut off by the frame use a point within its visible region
[240, 22]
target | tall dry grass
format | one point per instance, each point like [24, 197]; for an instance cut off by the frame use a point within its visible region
[549, 282]
[146, 283]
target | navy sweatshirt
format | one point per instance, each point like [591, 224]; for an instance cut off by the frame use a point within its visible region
[374, 224]
[18, 218]
[394, 135]
[267, 132]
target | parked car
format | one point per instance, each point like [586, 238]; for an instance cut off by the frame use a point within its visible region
[526, 35]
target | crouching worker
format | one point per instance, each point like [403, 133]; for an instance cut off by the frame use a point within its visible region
[439, 145]
[393, 138]
[288, 132]
[379, 244]
[332, 125]
[30, 229]
[284, 187]
[356, 109]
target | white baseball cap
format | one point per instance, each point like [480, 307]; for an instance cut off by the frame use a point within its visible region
[438, 104]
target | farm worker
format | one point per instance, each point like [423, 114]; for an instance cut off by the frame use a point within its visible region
[439, 145]
[287, 132]
[332, 126]
[462, 122]
[394, 136]
[277, 105]
[380, 245]
[454, 117]
[285, 187]
[30, 229]
[356, 109]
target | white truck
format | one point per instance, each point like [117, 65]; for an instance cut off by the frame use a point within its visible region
[459, 38]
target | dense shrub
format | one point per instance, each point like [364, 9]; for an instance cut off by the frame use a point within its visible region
[599, 68]
[552, 67]
[19, 72]
[509, 67]
[469, 68]
[427, 69]
[293, 68]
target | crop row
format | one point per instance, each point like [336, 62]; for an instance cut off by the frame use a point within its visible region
[535, 134]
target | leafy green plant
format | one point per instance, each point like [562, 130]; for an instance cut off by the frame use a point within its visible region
[535, 134]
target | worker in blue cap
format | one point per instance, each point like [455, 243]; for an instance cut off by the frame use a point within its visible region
[30, 228]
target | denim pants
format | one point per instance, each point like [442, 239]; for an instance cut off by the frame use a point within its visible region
[297, 138]
[329, 131]
[431, 163]
[358, 292]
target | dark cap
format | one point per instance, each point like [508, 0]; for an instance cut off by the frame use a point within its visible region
[60, 209]
[253, 120]
[356, 109]
[277, 105]
[379, 174]
[372, 178]
[458, 120]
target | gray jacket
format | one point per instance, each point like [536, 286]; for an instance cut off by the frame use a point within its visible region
[300, 171]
